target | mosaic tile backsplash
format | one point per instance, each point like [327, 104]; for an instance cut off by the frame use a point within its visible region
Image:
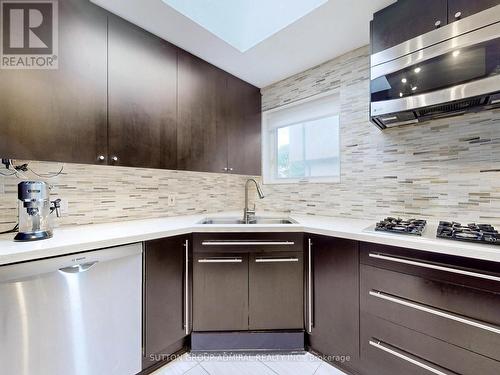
[443, 169]
[99, 194]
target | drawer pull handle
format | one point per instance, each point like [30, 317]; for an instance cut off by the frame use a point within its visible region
[310, 322]
[275, 260]
[433, 311]
[220, 260]
[246, 243]
[380, 345]
[186, 288]
[434, 267]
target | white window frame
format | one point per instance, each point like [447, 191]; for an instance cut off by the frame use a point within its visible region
[269, 139]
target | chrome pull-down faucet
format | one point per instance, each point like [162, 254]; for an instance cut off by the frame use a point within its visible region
[248, 214]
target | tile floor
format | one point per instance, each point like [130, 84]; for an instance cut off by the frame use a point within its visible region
[293, 364]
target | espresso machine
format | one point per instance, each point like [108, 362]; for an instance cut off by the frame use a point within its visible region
[35, 211]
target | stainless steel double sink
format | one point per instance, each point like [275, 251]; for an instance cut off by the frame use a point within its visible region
[237, 220]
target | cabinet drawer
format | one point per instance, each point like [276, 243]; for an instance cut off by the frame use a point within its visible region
[459, 315]
[247, 242]
[220, 292]
[276, 291]
[470, 272]
[387, 348]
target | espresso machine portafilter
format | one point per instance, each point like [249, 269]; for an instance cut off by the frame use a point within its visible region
[35, 209]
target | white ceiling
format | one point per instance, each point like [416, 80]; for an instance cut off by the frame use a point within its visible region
[329, 31]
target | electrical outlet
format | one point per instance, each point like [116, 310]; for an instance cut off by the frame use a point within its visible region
[64, 209]
[171, 200]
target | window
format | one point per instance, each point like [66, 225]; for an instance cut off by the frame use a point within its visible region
[301, 142]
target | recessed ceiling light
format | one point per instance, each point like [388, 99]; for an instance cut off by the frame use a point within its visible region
[456, 53]
[417, 70]
[241, 23]
[403, 80]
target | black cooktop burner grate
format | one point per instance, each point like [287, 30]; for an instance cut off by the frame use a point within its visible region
[401, 226]
[482, 233]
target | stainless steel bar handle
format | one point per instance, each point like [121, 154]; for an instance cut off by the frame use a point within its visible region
[434, 311]
[246, 243]
[78, 268]
[434, 267]
[275, 260]
[380, 345]
[220, 260]
[186, 291]
[309, 285]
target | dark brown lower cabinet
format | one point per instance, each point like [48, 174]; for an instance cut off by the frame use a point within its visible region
[276, 291]
[220, 292]
[391, 349]
[424, 312]
[333, 310]
[248, 281]
[166, 308]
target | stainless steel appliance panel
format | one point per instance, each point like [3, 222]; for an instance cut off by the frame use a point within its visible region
[78, 314]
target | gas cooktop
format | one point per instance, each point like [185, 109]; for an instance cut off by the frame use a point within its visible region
[401, 226]
[482, 233]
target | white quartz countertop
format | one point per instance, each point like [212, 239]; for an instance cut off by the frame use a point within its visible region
[68, 240]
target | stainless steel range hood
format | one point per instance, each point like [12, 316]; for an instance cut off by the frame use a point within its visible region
[446, 72]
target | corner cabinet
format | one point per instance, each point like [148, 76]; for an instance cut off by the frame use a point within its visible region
[332, 305]
[243, 119]
[166, 298]
[218, 120]
[248, 282]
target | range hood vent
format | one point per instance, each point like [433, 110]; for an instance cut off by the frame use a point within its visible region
[451, 108]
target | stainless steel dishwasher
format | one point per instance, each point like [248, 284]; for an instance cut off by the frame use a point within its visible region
[78, 314]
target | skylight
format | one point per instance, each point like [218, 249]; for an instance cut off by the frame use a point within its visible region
[244, 23]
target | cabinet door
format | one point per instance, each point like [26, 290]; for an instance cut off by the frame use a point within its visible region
[60, 115]
[243, 118]
[276, 291]
[458, 9]
[165, 297]
[335, 297]
[201, 132]
[220, 292]
[405, 20]
[142, 97]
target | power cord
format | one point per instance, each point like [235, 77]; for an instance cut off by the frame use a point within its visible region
[19, 170]
[12, 230]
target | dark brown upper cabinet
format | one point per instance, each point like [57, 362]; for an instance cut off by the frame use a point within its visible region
[218, 120]
[142, 98]
[405, 20]
[124, 97]
[60, 115]
[458, 9]
[243, 127]
[201, 133]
